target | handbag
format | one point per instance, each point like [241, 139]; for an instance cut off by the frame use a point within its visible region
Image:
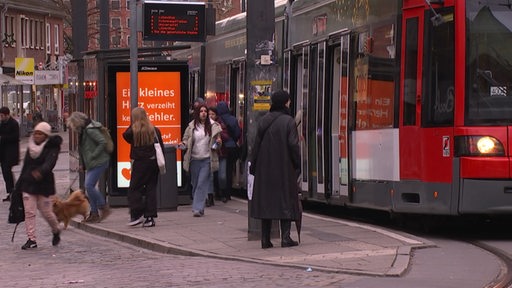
[160, 159]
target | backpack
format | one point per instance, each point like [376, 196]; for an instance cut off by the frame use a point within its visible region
[109, 146]
[109, 143]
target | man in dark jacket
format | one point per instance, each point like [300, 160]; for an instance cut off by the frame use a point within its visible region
[230, 146]
[275, 164]
[9, 148]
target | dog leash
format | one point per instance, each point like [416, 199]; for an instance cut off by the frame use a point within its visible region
[72, 183]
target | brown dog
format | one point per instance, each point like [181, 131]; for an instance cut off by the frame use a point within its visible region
[76, 204]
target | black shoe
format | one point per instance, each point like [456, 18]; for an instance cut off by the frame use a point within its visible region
[224, 199]
[7, 199]
[29, 245]
[135, 221]
[289, 243]
[149, 222]
[56, 239]
[265, 245]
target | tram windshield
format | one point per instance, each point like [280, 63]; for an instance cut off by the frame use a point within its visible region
[489, 62]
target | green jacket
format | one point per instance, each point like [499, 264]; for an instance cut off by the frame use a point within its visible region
[92, 146]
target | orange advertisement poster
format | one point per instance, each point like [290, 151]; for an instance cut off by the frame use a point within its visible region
[160, 95]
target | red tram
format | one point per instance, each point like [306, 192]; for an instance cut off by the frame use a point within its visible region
[406, 105]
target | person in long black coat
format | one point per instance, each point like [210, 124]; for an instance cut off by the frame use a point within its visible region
[275, 164]
[9, 148]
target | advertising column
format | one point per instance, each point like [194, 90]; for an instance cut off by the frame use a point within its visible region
[160, 93]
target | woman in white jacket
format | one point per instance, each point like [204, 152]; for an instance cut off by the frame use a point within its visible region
[202, 141]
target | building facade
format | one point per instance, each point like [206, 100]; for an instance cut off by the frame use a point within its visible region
[32, 32]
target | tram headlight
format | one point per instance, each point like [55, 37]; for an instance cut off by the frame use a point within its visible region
[478, 146]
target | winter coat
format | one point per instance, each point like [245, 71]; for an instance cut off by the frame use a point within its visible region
[275, 164]
[10, 142]
[142, 152]
[188, 140]
[44, 163]
[231, 124]
[92, 146]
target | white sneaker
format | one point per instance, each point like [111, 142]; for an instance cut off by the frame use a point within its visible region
[135, 222]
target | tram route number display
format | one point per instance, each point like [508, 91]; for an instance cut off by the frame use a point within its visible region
[174, 21]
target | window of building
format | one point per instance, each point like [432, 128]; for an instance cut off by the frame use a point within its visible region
[116, 22]
[8, 39]
[57, 50]
[48, 39]
[116, 4]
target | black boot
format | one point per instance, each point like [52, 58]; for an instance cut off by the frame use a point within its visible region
[210, 200]
[286, 240]
[266, 226]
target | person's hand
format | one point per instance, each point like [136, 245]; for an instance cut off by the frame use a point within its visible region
[37, 175]
[81, 168]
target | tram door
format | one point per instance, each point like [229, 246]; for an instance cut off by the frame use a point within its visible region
[237, 106]
[340, 113]
[310, 78]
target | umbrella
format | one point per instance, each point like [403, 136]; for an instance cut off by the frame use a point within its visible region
[298, 218]
[8, 80]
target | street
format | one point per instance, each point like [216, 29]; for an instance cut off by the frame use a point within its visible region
[85, 260]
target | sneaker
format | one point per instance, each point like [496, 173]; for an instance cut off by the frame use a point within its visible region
[149, 222]
[7, 199]
[105, 212]
[93, 218]
[56, 239]
[135, 221]
[29, 245]
[197, 213]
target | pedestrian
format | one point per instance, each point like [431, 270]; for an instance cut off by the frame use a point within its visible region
[231, 146]
[9, 148]
[198, 101]
[142, 135]
[220, 176]
[275, 164]
[202, 140]
[37, 182]
[93, 159]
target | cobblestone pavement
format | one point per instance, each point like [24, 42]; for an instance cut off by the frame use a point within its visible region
[85, 260]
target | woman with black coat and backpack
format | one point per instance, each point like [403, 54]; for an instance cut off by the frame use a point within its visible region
[37, 182]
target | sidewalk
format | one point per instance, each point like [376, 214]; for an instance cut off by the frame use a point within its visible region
[328, 244]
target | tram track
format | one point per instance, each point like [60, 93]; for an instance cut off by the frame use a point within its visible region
[504, 278]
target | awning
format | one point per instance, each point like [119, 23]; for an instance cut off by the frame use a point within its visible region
[8, 80]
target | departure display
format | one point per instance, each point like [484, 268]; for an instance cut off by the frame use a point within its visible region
[174, 21]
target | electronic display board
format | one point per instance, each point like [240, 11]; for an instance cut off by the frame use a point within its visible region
[174, 21]
[163, 93]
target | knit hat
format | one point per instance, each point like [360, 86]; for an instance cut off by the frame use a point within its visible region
[44, 127]
[279, 98]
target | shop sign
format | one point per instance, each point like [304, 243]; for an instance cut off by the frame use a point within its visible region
[47, 77]
[24, 69]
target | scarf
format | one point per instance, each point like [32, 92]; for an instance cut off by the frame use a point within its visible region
[35, 150]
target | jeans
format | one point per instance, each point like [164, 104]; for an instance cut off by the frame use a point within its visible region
[201, 180]
[222, 174]
[92, 176]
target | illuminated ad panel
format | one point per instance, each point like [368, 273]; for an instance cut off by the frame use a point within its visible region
[160, 95]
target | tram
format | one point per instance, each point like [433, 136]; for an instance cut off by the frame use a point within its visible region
[406, 105]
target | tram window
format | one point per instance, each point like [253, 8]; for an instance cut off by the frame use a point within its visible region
[439, 71]
[488, 69]
[411, 70]
[373, 77]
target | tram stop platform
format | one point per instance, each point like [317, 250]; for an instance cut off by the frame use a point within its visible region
[327, 244]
